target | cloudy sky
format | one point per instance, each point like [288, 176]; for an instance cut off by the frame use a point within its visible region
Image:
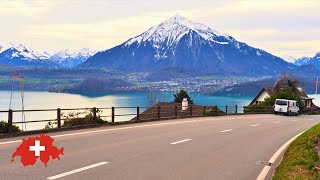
[281, 27]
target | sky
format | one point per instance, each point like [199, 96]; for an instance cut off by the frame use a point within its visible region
[281, 27]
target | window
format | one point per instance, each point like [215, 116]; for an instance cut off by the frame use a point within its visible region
[281, 102]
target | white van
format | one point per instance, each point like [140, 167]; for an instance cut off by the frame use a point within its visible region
[285, 106]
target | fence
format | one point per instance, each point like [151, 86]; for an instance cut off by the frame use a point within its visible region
[112, 115]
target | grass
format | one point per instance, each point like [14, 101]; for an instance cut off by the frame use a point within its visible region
[300, 160]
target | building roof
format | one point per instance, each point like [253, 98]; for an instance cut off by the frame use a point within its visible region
[276, 88]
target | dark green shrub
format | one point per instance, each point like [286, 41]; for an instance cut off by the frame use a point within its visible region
[258, 109]
[213, 111]
[283, 94]
[4, 127]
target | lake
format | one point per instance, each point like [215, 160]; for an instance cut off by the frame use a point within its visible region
[47, 100]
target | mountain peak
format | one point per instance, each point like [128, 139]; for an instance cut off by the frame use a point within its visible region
[177, 18]
[170, 31]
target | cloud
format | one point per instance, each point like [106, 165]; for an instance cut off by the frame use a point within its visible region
[98, 24]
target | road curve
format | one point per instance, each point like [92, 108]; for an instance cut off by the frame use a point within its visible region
[225, 147]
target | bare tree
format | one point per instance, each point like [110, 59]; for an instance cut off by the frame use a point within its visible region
[153, 97]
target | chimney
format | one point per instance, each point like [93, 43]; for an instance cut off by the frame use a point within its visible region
[184, 104]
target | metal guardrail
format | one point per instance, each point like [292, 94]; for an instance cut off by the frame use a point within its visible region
[136, 113]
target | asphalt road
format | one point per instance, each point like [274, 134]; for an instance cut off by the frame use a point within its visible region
[226, 147]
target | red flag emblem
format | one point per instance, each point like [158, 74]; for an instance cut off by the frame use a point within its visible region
[37, 147]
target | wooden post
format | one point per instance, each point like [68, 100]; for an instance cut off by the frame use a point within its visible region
[138, 113]
[191, 110]
[59, 117]
[94, 113]
[10, 117]
[236, 109]
[227, 109]
[112, 115]
[176, 111]
[159, 109]
[204, 110]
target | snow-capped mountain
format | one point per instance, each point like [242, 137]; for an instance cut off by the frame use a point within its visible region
[179, 42]
[67, 58]
[309, 61]
[289, 59]
[19, 55]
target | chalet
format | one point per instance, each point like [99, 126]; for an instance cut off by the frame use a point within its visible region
[268, 91]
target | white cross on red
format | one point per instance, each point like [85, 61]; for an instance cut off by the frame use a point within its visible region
[37, 148]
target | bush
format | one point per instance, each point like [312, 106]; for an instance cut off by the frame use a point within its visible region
[258, 109]
[214, 111]
[77, 118]
[283, 94]
[4, 127]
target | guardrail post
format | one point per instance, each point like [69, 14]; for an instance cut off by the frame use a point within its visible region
[191, 110]
[176, 111]
[138, 113]
[159, 109]
[94, 113]
[236, 109]
[10, 117]
[112, 115]
[59, 117]
[227, 109]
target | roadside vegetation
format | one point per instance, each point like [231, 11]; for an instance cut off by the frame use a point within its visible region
[214, 111]
[77, 118]
[4, 127]
[301, 161]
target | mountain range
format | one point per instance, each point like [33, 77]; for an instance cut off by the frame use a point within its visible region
[18, 55]
[181, 43]
[176, 43]
[315, 61]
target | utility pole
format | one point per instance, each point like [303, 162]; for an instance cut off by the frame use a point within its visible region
[317, 84]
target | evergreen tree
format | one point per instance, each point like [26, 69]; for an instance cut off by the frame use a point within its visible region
[178, 98]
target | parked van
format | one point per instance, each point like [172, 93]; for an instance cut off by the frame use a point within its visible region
[288, 107]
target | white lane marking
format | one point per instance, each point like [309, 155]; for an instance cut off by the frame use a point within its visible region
[276, 122]
[311, 119]
[227, 130]
[294, 120]
[124, 128]
[177, 142]
[254, 125]
[131, 127]
[77, 170]
[266, 169]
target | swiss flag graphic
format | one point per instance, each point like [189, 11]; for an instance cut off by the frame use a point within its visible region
[37, 147]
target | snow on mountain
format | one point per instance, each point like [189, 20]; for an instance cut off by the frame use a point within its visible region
[173, 29]
[68, 58]
[315, 61]
[23, 52]
[18, 55]
[289, 59]
[179, 42]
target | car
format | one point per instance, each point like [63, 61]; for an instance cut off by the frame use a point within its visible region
[285, 106]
